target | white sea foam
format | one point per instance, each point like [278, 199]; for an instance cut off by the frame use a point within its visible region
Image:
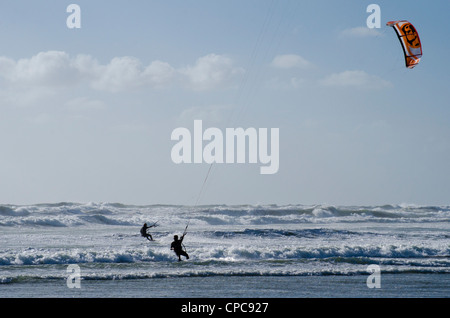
[39, 241]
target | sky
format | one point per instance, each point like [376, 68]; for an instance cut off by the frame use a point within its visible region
[86, 114]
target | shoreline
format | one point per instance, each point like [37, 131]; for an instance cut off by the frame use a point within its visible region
[405, 285]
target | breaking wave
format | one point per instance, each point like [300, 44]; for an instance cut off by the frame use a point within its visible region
[39, 241]
[74, 214]
[350, 254]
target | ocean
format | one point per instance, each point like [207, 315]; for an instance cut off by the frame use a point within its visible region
[95, 250]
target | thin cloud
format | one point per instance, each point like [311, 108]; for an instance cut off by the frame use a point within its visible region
[360, 32]
[211, 71]
[159, 73]
[356, 79]
[57, 69]
[84, 104]
[122, 73]
[289, 61]
[286, 84]
[214, 114]
[52, 68]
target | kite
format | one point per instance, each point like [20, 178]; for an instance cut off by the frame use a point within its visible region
[410, 41]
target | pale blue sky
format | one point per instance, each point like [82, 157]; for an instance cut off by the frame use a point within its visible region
[86, 114]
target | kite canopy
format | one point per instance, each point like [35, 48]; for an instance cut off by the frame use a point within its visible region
[410, 41]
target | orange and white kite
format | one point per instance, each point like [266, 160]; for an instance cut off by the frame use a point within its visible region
[410, 41]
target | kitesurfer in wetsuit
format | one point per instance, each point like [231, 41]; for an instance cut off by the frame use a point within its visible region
[144, 233]
[177, 247]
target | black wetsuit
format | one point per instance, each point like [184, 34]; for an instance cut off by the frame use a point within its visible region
[145, 234]
[178, 248]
